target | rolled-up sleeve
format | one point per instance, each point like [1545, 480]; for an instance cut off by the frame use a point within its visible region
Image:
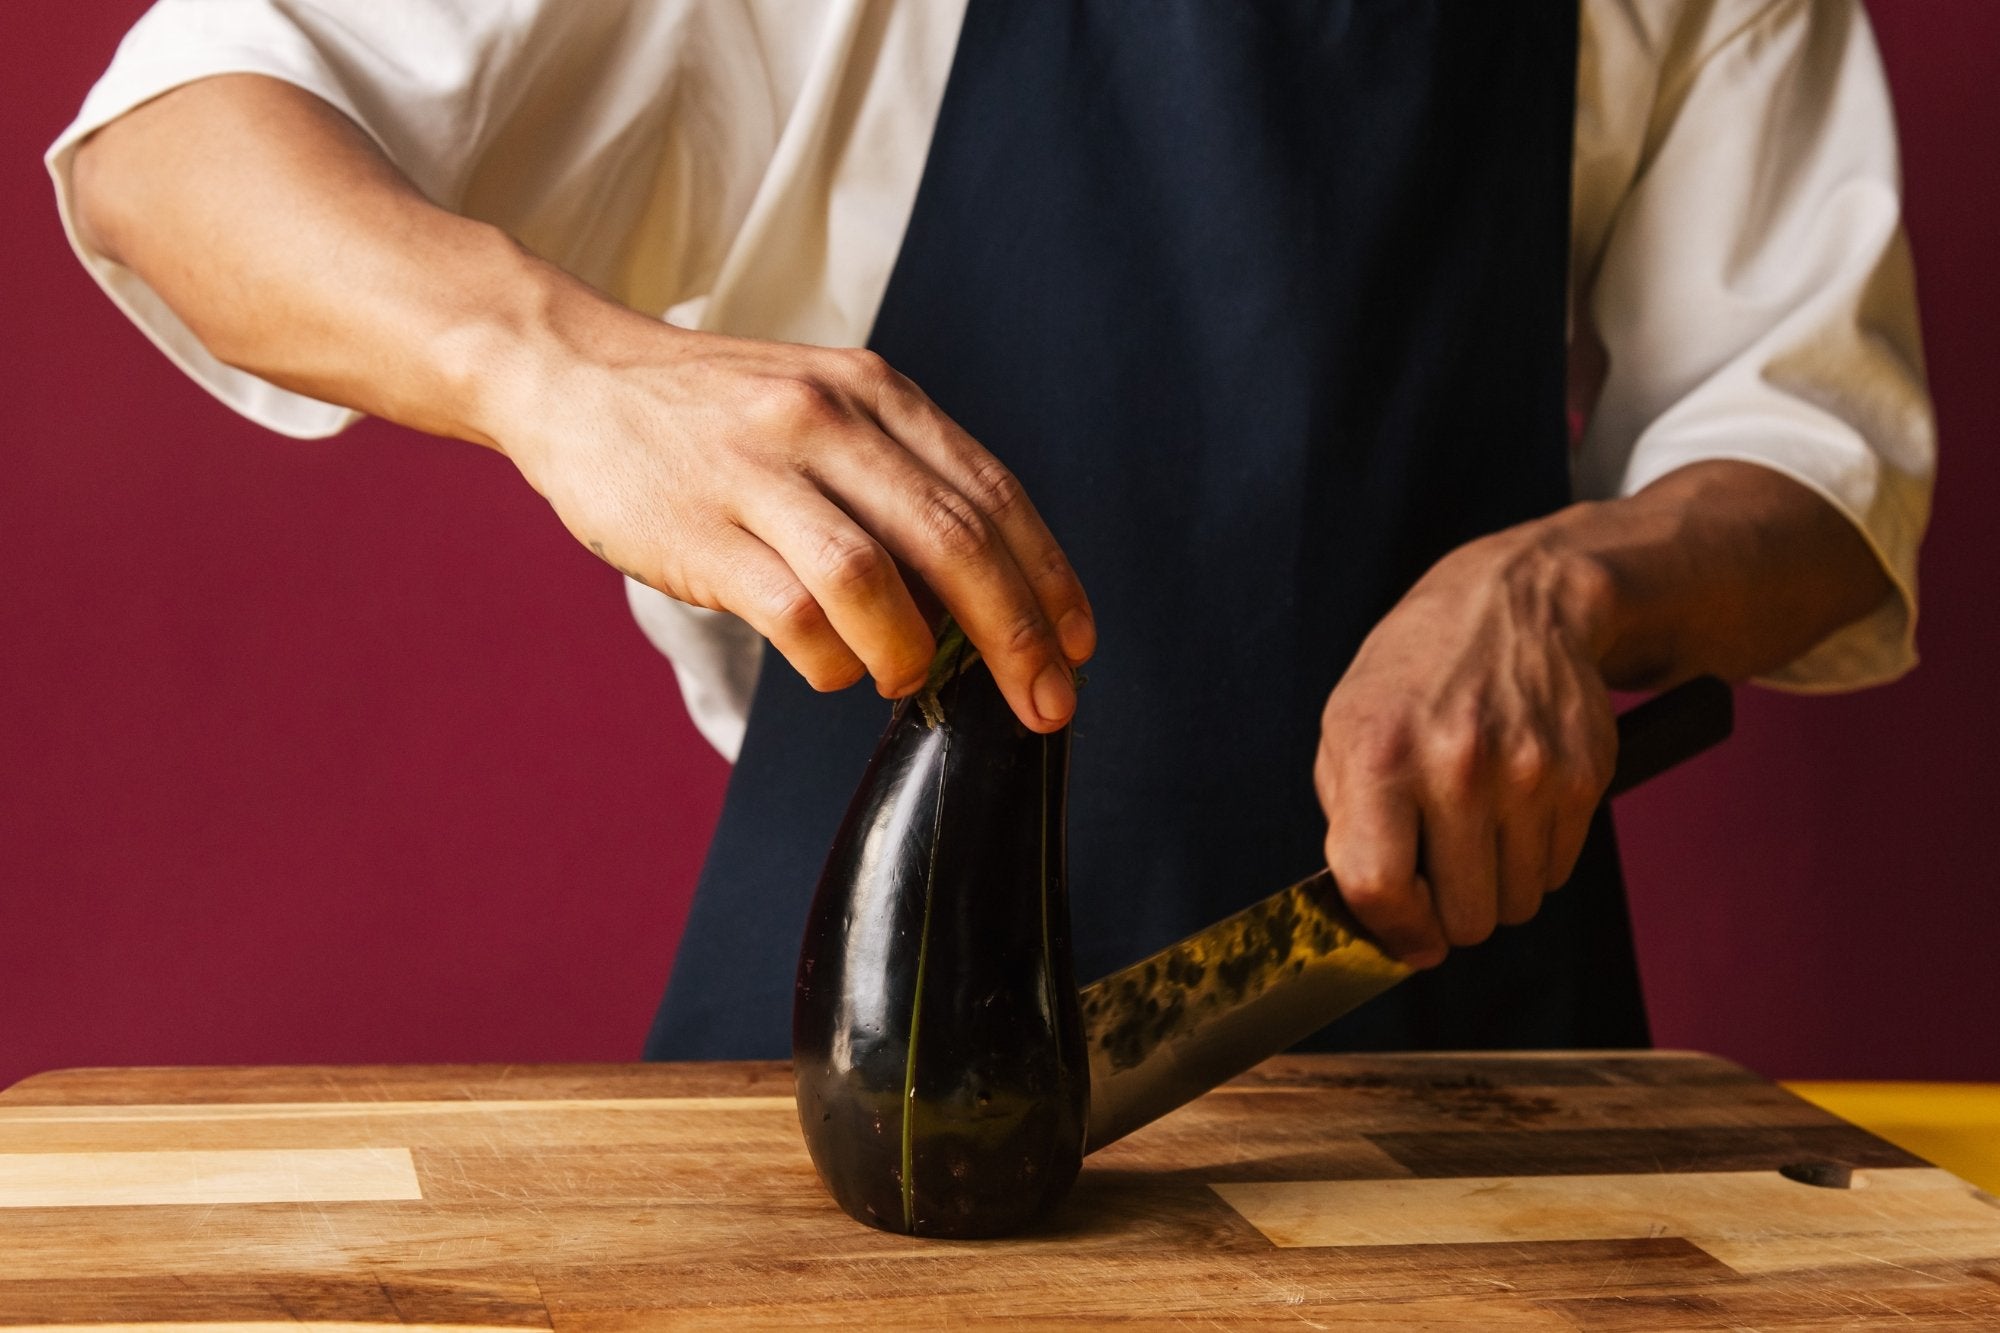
[572, 126]
[1754, 298]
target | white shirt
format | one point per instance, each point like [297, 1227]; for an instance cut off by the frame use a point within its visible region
[1741, 285]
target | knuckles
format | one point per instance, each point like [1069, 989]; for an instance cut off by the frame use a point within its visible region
[846, 563]
[1530, 763]
[794, 615]
[823, 392]
[1460, 760]
[995, 489]
[1367, 884]
[952, 526]
[1052, 567]
[1370, 891]
[866, 366]
[798, 627]
[1023, 636]
[793, 405]
[1458, 755]
[1377, 751]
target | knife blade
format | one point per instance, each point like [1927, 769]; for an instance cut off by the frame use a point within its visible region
[1171, 1027]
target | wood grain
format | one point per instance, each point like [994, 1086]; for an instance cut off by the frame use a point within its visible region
[1751, 1209]
[261, 1326]
[125, 1179]
[627, 1197]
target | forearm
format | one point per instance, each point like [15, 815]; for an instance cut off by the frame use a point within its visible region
[1722, 567]
[790, 485]
[1463, 752]
[294, 250]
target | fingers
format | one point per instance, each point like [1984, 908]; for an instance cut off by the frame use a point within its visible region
[954, 515]
[1435, 840]
[963, 464]
[758, 584]
[851, 582]
[1371, 849]
[967, 559]
[1581, 789]
[956, 550]
[1523, 855]
[1461, 860]
[798, 487]
[1522, 834]
[1428, 876]
[1468, 743]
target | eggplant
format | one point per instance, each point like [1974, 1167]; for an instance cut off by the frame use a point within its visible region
[937, 1044]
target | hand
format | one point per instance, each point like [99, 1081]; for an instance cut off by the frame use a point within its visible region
[1464, 752]
[796, 486]
[783, 483]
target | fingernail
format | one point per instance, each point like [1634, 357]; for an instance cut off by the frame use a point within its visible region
[1055, 697]
[1078, 636]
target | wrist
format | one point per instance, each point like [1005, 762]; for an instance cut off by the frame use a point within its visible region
[1612, 589]
[532, 329]
[1555, 576]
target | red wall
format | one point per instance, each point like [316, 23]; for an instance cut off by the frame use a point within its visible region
[343, 751]
[1820, 898]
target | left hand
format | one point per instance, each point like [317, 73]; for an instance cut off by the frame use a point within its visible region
[1464, 752]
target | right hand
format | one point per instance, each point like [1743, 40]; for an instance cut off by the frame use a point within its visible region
[794, 486]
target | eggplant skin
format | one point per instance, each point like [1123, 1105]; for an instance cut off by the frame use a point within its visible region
[937, 1044]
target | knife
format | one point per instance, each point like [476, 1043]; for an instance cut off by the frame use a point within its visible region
[1198, 1013]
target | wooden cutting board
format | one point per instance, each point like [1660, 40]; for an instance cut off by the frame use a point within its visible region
[1491, 1191]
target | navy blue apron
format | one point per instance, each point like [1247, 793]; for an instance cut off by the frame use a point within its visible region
[1265, 305]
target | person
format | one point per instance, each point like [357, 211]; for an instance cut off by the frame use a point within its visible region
[1265, 324]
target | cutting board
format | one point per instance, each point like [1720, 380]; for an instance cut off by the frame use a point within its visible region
[1650, 1190]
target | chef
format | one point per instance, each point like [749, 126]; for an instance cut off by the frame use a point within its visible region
[1364, 388]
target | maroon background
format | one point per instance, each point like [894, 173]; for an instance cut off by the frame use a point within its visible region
[344, 751]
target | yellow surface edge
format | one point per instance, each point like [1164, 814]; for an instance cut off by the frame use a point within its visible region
[1954, 1125]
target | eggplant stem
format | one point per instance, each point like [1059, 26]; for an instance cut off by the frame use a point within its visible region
[954, 654]
[917, 993]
